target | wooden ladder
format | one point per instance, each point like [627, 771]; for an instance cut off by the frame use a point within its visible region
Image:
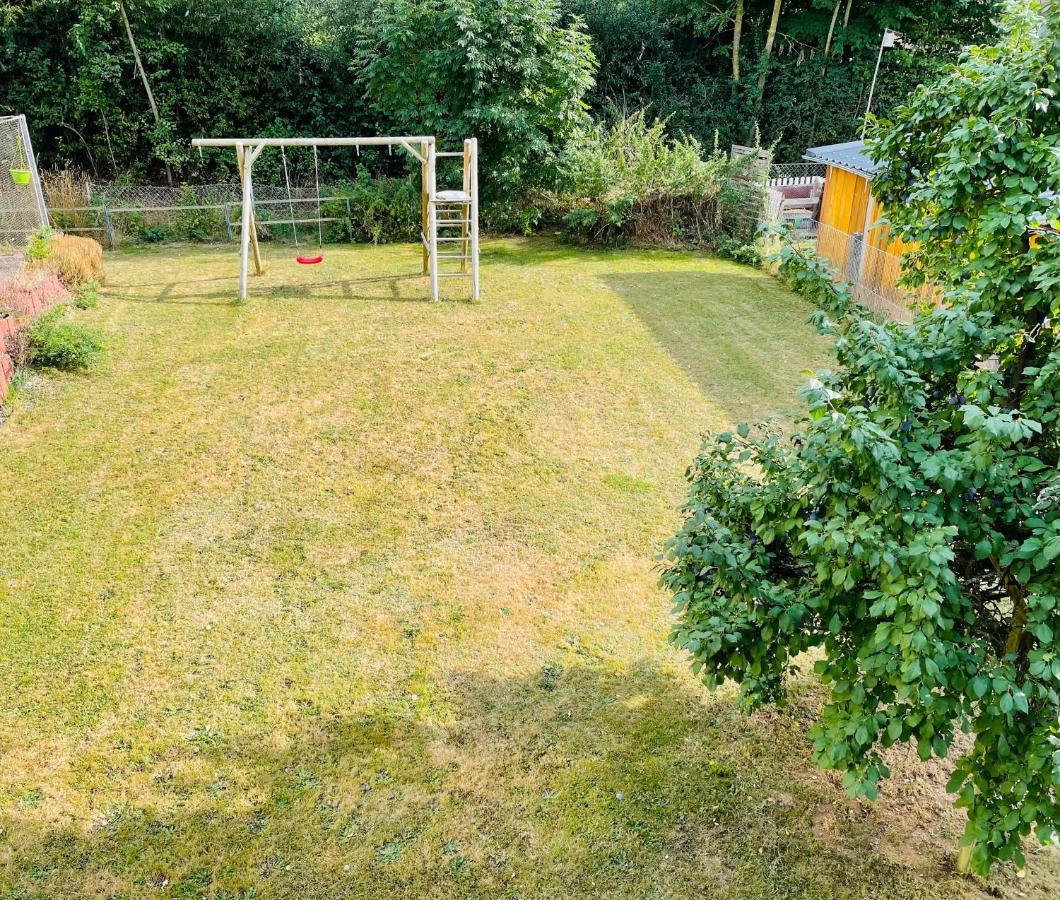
[452, 220]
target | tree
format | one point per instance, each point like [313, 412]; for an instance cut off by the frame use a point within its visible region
[508, 71]
[143, 77]
[831, 32]
[910, 527]
[737, 32]
[767, 50]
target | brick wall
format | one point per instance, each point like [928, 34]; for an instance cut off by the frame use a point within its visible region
[24, 295]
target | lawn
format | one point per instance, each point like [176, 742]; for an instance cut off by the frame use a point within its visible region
[343, 593]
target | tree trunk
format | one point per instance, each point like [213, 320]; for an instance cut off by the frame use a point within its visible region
[767, 50]
[846, 15]
[831, 32]
[763, 69]
[737, 33]
[143, 77]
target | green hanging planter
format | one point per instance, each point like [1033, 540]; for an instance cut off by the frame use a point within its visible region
[20, 176]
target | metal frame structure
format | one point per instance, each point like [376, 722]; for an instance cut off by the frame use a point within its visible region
[22, 209]
[437, 207]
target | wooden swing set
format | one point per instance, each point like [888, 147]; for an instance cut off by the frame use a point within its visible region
[448, 217]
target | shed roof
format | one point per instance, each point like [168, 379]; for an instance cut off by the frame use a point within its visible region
[850, 156]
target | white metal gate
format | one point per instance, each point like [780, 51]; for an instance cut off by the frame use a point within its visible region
[22, 207]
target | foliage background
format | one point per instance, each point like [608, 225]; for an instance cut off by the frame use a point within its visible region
[519, 74]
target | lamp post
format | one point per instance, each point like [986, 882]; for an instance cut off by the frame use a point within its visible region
[890, 38]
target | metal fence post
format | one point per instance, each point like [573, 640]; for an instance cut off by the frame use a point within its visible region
[228, 222]
[108, 228]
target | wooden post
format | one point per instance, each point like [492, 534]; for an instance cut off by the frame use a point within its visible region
[424, 208]
[245, 219]
[465, 209]
[432, 218]
[259, 268]
[108, 228]
[472, 170]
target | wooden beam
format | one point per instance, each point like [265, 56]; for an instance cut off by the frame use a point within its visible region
[245, 218]
[432, 218]
[250, 225]
[466, 208]
[425, 223]
[472, 144]
[403, 140]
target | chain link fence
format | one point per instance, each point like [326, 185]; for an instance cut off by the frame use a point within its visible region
[115, 213]
[22, 210]
[783, 174]
[871, 271]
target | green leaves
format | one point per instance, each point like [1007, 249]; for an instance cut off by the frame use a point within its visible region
[515, 74]
[911, 529]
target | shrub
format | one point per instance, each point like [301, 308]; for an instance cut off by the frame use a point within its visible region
[76, 259]
[39, 248]
[910, 529]
[748, 254]
[511, 217]
[62, 345]
[17, 348]
[630, 181]
[87, 295]
[190, 224]
[381, 209]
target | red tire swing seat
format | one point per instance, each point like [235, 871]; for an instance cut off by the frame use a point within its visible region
[302, 259]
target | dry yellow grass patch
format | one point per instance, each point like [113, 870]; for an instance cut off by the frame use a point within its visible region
[76, 259]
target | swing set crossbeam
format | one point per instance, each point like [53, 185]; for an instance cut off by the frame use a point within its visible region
[373, 141]
[409, 142]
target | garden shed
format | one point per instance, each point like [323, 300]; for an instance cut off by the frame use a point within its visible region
[849, 233]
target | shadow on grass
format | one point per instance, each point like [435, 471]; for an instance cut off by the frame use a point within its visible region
[535, 251]
[739, 336]
[187, 292]
[577, 781]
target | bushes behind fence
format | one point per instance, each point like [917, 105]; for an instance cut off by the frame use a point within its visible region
[624, 183]
[632, 183]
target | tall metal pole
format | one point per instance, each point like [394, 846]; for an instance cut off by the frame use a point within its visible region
[872, 89]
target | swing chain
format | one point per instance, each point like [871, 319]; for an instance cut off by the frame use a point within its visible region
[316, 176]
[290, 195]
